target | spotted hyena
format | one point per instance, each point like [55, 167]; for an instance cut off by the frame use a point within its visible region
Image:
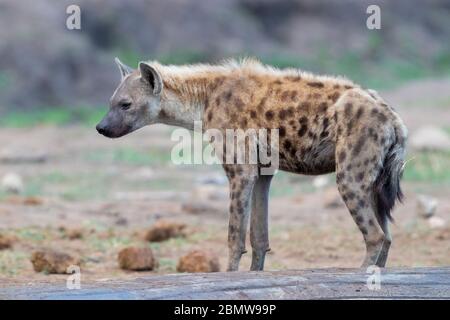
[324, 124]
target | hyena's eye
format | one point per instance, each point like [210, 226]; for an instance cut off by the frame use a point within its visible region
[125, 105]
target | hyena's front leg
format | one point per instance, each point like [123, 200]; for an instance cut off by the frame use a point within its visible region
[242, 179]
[259, 224]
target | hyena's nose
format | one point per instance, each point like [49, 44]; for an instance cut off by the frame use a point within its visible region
[101, 128]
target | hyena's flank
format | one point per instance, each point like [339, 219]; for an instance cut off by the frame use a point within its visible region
[325, 124]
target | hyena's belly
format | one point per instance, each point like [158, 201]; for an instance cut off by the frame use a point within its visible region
[314, 159]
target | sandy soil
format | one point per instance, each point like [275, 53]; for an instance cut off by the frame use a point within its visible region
[114, 190]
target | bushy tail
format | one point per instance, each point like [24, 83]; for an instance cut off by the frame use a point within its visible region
[387, 185]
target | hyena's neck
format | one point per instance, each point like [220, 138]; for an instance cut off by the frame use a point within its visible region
[186, 93]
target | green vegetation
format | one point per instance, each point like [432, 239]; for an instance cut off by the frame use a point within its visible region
[385, 73]
[12, 262]
[130, 156]
[431, 167]
[52, 116]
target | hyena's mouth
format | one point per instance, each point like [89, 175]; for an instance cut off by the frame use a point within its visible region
[114, 133]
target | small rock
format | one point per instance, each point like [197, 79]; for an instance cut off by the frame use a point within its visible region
[136, 259]
[5, 242]
[121, 221]
[198, 261]
[426, 206]
[163, 230]
[74, 234]
[320, 182]
[203, 207]
[332, 199]
[51, 261]
[213, 179]
[32, 201]
[12, 183]
[436, 222]
[430, 138]
[210, 192]
[15, 156]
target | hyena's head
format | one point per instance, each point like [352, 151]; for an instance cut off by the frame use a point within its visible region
[135, 103]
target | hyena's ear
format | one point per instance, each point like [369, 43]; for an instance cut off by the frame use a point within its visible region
[124, 69]
[152, 77]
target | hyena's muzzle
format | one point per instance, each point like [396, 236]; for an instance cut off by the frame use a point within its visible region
[113, 125]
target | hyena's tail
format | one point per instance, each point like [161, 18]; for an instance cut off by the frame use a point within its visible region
[387, 185]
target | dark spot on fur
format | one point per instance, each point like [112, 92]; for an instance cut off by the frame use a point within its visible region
[323, 107]
[349, 127]
[253, 114]
[359, 113]
[282, 131]
[341, 156]
[348, 87]
[359, 177]
[269, 115]
[239, 103]
[334, 96]
[361, 203]
[340, 177]
[348, 110]
[324, 134]
[228, 96]
[244, 122]
[303, 129]
[284, 96]
[304, 106]
[363, 230]
[373, 134]
[210, 115]
[294, 78]
[294, 95]
[382, 117]
[287, 144]
[290, 111]
[359, 219]
[282, 114]
[261, 104]
[303, 120]
[359, 145]
[277, 82]
[293, 151]
[350, 195]
[316, 84]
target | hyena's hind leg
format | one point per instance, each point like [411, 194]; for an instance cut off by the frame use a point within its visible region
[369, 158]
[359, 202]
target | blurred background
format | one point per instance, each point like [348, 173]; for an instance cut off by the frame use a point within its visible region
[66, 188]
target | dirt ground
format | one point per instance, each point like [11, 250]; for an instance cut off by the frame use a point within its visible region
[110, 192]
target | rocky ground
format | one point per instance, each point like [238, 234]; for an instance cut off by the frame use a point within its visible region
[69, 190]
